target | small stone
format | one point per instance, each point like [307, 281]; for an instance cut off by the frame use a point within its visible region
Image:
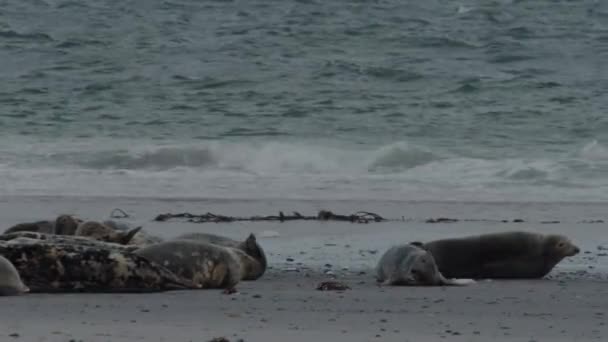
[219, 339]
[332, 286]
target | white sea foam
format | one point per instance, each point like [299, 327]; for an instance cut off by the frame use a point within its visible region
[399, 171]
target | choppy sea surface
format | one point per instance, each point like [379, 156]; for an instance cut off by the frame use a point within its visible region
[325, 99]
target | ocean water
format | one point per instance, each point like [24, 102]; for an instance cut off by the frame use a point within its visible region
[472, 100]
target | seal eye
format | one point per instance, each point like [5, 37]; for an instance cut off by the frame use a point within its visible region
[414, 272]
[560, 245]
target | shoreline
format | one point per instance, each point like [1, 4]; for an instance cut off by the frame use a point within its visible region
[284, 304]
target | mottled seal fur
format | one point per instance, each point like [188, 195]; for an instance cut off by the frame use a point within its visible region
[101, 232]
[141, 238]
[205, 264]
[38, 226]
[55, 267]
[10, 281]
[66, 224]
[409, 265]
[514, 254]
[250, 246]
[33, 237]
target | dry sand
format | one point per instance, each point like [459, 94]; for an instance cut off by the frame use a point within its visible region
[284, 306]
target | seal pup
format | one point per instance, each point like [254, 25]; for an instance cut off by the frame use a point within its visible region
[142, 238]
[513, 254]
[250, 246]
[10, 281]
[55, 267]
[205, 264]
[101, 232]
[38, 226]
[66, 224]
[409, 265]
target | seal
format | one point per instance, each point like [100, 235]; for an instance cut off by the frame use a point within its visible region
[33, 237]
[98, 231]
[250, 246]
[38, 226]
[205, 264]
[513, 254]
[66, 225]
[10, 281]
[55, 267]
[409, 265]
[141, 238]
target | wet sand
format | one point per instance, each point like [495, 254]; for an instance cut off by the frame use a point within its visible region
[570, 305]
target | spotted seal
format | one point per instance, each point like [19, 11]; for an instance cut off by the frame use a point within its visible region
[57, 267]
[514, 254]
[250, 246]
[410, 265]
[205, 264]
[10, 281]
[34, 237]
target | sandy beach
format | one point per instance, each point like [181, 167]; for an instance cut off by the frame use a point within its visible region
[283, 305]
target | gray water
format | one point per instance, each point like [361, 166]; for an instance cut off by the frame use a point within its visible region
[417, 100]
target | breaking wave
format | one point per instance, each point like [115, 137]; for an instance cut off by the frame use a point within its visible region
[297, 170]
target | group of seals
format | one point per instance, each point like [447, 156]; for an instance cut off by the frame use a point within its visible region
[73, 255]
[514, 255]
[88, 256]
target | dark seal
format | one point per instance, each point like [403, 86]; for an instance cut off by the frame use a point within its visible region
[513, 254]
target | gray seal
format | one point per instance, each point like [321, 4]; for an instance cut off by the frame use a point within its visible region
[206, 265]
[250, 246]
[38, 226]
[99, 231]
[10, 281]
[409, 265]
[55, 267]
[514, 254]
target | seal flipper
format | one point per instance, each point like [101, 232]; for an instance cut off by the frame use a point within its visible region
[125, 238]
[454, 282]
